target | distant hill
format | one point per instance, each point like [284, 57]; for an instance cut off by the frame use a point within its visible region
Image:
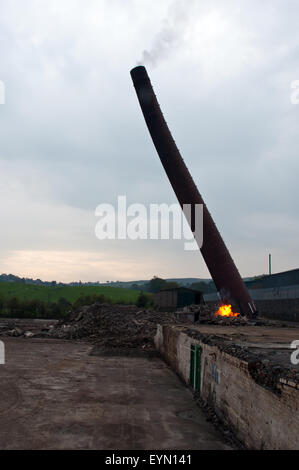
[124, 284]
[23, 280]
[185, 281]
[203, 284]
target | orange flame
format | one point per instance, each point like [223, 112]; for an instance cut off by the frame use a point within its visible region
[226, 311]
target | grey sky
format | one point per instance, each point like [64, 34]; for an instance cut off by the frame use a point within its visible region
[72, 134]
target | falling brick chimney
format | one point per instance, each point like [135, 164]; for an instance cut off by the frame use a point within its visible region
[230, 286]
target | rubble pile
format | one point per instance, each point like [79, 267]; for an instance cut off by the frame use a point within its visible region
[10, 329]
[112, 326]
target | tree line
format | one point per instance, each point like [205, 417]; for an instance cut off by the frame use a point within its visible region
[157, 284]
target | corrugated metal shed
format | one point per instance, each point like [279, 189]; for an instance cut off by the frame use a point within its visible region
[271, 293]
[177, 297]
[286, 278]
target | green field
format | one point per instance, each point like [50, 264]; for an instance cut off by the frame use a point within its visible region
[51, 294]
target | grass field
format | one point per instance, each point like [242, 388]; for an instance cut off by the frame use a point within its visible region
[70, 293]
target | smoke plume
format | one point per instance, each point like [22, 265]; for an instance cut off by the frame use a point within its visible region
[171, 35]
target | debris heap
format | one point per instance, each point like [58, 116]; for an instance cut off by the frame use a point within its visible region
[112, 326]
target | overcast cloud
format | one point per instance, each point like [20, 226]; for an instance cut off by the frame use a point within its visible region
[72, 134]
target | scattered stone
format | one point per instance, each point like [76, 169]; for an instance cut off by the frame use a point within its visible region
[79, 316]
[28, 334]
[15, 332]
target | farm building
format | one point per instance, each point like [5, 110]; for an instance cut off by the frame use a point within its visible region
[177, 297]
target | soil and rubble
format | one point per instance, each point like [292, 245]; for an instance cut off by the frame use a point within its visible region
[114, 326]
[108, 326]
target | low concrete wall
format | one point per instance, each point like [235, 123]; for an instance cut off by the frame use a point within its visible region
[261, 418]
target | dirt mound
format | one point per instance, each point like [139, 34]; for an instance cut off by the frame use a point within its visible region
[113, 326]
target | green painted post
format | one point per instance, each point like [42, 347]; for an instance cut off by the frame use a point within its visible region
[198, 367]
[192, 364]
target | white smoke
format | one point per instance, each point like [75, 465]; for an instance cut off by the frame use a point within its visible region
[171, 36]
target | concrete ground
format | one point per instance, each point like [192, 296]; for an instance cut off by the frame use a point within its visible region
[54, 395]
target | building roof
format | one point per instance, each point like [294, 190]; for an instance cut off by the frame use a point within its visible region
[286, 278]
[180, 288]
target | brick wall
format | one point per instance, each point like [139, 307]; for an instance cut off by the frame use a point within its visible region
[261, 418]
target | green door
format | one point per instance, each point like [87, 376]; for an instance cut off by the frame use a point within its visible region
[195, 366]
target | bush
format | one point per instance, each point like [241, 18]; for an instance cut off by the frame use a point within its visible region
[143, 300]
[89, 300]
[14, 307]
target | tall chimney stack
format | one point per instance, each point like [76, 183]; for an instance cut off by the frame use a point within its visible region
[221, 266]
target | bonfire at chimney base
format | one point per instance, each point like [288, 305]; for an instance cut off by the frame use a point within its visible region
[226, 311]
[213, 314]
